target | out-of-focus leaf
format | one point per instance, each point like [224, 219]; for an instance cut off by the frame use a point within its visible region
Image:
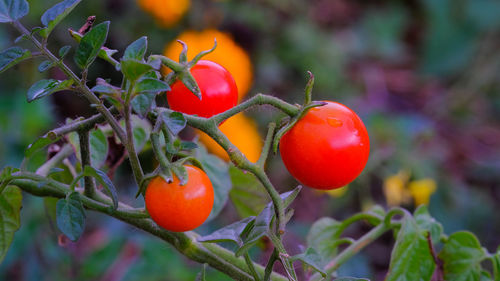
[311, 258]
[322, 236]
[426, 222]
[218, 173]
[45, 65]
[56, 14]
[12, 56]
[91, 44]
[137, 49]
[462, 255]
[10, 208]
[46, 87]
[230, 233]
[98, 148]
[38, 144]
[71, 216]
[201, 276]
[64, 51]
[151, 85]
[248, 195]
[142, 104]
[12, 10]
[411, 258]
[350, 279]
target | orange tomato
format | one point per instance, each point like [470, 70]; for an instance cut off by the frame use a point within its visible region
[180, 208]
[228, 54]
[242, 132]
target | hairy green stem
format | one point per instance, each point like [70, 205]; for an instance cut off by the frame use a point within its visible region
[65, 152]
[216, 256]
[130, 146]
[270, 264]
[89, 183]
[251, 267]
[91, 97]
[267, 145]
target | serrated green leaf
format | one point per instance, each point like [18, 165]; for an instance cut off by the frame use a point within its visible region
[151, 85]
[45, 65]
[218, 173]
[70, 216]
[322, 236]
[103, 179]
[12, 10]
[56, 14]
[311, 258]
[411, 258]
[248, 195]
[175, 121]
[10, 221]
[39, 143]
[137, 49]
[91, 44]
[12, 56]
[426, 222]
[462, 255]
[143, 104]
[230, 233]
[64, 51]
[134, 69]
[46, 87]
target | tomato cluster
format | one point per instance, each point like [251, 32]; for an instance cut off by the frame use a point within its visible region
[326, 149]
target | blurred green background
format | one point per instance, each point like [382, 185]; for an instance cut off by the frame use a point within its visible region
[424, 75]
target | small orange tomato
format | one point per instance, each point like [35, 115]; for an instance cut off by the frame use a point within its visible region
[180, 208]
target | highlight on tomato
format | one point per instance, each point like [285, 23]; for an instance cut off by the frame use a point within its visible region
[327, 148]
[228, 54]
[218, 91]
[178, 207]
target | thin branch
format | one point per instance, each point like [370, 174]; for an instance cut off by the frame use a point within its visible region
[267, 145]
[65, 152]
[89, 183]
[251, 267]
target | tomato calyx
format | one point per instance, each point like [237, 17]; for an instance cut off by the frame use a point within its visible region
[182, 70]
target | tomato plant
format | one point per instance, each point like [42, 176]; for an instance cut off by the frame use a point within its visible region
[218, 91]
[327, 148]
[177, 207]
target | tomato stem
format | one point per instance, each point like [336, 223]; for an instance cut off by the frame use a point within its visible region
[84, 139]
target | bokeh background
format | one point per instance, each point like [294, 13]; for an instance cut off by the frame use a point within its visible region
[424, 75]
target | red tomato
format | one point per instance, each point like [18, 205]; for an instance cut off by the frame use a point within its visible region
[180, 208]
[218, 91]
[326, 149]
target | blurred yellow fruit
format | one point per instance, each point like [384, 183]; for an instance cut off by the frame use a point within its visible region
[228, 54]
[242, 132]
[166, 12]
[395, 189]
[337, 192]
[421, 190]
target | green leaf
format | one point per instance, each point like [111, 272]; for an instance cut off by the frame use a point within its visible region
[248, 195]
[71, 216]
[175, 121]
[39, 143]
[322, 236]
[141, 129]
[218, 173]
[230, 233]
[311, 258]
[426, 222]
[91, 44]
[103, 179]
[56, 14]
[45, 65]
[64, 51]
[12, 56]
[188, 145]
[104, 53]
[10, 221]
[259, 229]
[151, 85]
[137, 49]
[411, 258]
[12, 10]
[46, 87]
[106, 89]
[188, 80]
[289, 196]
[143, 104]
[496, 265]
[462, 255]
[134, 69]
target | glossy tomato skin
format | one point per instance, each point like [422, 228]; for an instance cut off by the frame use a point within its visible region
[327, 148]
[218, 91]
[180, 208]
